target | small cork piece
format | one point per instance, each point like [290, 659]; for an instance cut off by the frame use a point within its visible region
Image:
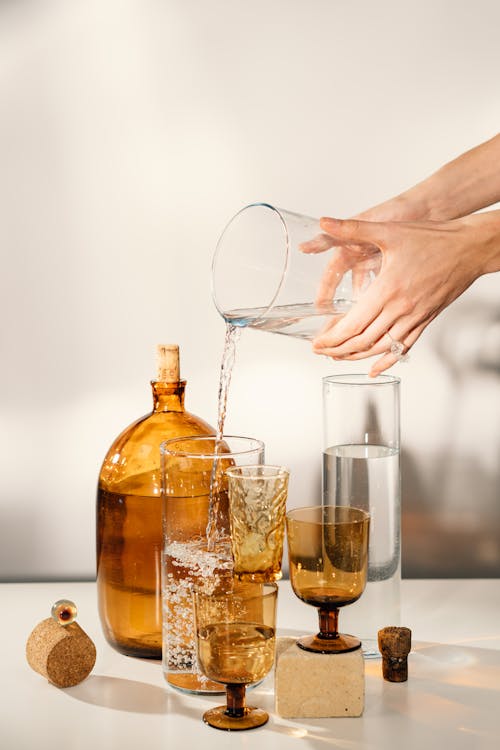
[395, 645]
[315, 686]
[64, 654]
[167, 363]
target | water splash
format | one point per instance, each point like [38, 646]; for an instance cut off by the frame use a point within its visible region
[214, 526]
[233, 334]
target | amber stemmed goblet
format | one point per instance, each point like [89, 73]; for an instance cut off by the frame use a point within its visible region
[328, 556]
[235, 641]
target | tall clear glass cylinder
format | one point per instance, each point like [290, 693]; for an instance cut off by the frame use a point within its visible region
[196, 541]
[361, 468]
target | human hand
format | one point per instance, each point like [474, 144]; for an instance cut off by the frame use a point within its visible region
[363, 260]
[424, 267]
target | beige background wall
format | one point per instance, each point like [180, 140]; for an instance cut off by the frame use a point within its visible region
[130, 131]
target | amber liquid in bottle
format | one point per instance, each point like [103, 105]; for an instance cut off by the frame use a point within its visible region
[129, 518]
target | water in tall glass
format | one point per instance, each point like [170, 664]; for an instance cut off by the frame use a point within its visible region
[367, 477]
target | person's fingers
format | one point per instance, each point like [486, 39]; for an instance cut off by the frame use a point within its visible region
[389, 359]
[378, 337]
[359, 317]
[337, 265]
[361, 277]
[373, 339]
[369, 340]
[354, 232]
[383, 346]
[363, 260]
[318, 244]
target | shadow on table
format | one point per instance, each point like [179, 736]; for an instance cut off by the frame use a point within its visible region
[452, 696]
[133, 696]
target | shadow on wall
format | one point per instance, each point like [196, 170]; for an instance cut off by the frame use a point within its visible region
[439, 542]
[19, 536]
[451, 500]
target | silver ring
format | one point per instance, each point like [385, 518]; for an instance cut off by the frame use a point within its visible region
[398, 349]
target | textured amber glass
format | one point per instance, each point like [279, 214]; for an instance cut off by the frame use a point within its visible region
[328, 554]
[257, 501]
[129, 524]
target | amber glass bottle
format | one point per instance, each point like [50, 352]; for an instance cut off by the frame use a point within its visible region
[129, 516]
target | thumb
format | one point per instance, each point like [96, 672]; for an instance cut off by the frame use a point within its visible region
[354, 231]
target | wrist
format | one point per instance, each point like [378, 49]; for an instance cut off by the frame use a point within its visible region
[416, 205]
[428, 201]
[483, 230]
[404, 207]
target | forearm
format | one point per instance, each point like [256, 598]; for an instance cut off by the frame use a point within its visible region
[464, 185]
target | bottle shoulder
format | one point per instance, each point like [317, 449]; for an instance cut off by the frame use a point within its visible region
[133, 459]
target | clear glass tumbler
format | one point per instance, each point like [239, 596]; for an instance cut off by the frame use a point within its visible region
[262, 276]
[196, 544]
[361, 468]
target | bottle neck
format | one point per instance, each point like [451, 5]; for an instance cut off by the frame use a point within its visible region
[168, 396]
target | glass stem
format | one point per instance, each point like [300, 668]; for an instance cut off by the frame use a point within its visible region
[235, 699]
[328, 621]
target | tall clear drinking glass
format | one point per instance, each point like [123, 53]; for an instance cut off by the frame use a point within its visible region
[262, 276]
[361, 468]
[196, 542]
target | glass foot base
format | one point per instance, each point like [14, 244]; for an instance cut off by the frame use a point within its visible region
[252, 718]
[342, 644]
[370, 650]
[194, 684]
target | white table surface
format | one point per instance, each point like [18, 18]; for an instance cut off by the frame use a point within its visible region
[451, 700]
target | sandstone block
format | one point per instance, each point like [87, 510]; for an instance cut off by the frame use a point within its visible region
[309, 685]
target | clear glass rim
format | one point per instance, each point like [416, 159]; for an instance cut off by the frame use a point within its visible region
[361, 379]
[285, 265]
[272, 591]
[363, 515]
[241, 471]
[256, 445]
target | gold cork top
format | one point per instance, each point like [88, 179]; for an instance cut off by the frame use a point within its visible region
[167, 363]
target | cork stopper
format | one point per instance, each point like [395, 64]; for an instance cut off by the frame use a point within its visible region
[65, 655]
[394, 644]
[167, 363]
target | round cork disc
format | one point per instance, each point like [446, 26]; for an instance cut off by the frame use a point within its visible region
[65, 655]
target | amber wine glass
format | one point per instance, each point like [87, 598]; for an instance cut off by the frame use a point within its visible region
[235, 641]
[328, 556]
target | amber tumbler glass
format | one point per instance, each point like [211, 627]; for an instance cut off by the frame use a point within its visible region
[235, 641]
[328, 556]
[257, 502]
